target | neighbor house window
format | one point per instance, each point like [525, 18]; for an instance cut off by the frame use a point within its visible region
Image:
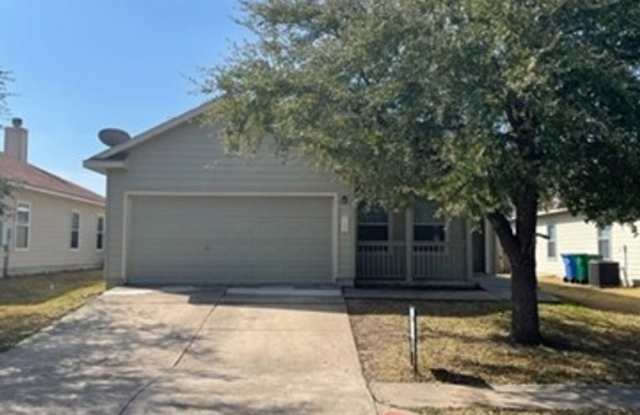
[75, 230]
[552, 242]
[23, 225]
[426, 227]
[373, 223]
[604, 241]
[100, 233]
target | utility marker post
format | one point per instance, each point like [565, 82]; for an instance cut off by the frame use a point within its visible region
[413, 339]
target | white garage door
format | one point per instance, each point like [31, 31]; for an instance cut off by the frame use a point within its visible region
[229, 240]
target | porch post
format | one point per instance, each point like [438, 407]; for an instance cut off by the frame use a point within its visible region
[489, 249]
[408, 238]
[469, 241]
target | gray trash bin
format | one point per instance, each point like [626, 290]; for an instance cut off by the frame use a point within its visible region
[604, 273]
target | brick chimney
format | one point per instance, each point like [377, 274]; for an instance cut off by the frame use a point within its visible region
[16, 140]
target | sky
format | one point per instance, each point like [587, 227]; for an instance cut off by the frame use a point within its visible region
[82, 65]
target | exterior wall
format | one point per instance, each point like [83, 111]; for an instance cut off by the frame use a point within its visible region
[576, 236]
[190, 158]
[50, 233]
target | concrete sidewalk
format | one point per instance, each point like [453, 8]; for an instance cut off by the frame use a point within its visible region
[519, 397]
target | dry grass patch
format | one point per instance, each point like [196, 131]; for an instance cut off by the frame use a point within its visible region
[468, 343]
[626, 300]
[30, 303]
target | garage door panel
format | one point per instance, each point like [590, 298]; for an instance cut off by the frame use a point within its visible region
[230, 240]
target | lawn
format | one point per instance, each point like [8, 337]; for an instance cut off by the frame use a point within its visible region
[30, 303]
[613, 299]
[468, 343]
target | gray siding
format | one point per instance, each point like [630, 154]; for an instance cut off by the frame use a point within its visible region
[49, 246]
[189, 158]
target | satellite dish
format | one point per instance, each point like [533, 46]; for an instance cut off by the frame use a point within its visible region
[113, 136]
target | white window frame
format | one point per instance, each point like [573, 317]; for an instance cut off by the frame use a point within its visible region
[553, 241]
[599, 238]
[74, 212]
[100, 232]
[16, 225]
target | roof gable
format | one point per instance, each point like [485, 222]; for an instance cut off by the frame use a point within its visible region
[151, 133]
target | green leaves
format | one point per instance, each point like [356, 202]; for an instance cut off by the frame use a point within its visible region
[465, 102]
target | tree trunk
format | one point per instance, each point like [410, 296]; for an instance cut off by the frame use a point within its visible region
[525, 323]
[520, 248]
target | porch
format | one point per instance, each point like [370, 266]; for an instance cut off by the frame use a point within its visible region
[413, 247]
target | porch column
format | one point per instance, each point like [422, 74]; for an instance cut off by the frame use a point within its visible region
[489, 249]
[408, 239]
[469, 243]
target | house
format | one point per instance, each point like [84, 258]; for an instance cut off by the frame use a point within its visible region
[181, 211]
[571, 234]
[50, 224]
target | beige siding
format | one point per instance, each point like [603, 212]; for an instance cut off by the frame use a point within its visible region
[576, 236]
[189, 158]
[50, 233]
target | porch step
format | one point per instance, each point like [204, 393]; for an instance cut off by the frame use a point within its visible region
[285, 291]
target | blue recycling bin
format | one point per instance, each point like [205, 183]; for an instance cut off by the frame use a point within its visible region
[570, 267]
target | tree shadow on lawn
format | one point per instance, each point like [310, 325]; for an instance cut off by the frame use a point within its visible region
[469, 342]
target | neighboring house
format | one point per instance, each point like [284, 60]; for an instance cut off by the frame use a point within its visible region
[51, 224]
[570, 234]
[181, 211]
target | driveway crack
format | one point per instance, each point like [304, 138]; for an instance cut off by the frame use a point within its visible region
[183, 352]
[194, 337]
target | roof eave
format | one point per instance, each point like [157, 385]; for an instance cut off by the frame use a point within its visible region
[60, 194]
[102, 166]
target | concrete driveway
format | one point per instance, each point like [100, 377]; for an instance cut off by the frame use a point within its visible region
[135, 351]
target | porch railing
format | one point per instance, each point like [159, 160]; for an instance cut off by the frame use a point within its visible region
[439, 261]
[429, 261]
[381, 260]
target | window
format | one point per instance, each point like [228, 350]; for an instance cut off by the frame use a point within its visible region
[23, 225]
[426, 227]
[373, 223]
[75, 230]
[100, 233]
[552, 243]
[604, 241]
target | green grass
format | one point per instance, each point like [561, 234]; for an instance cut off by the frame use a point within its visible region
[468, 343]
[30, 303]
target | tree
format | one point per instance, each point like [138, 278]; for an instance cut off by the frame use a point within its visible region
[5, 188]
[491, 108]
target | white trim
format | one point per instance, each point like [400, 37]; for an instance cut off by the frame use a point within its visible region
[334, 216]
[76, 212]
[334, 236]
[155, 131]
[59, 194]
[15, 227]
[552, 211]
[104, 226]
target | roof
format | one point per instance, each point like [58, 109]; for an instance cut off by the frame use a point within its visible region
[33, 178]
[112, 152]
